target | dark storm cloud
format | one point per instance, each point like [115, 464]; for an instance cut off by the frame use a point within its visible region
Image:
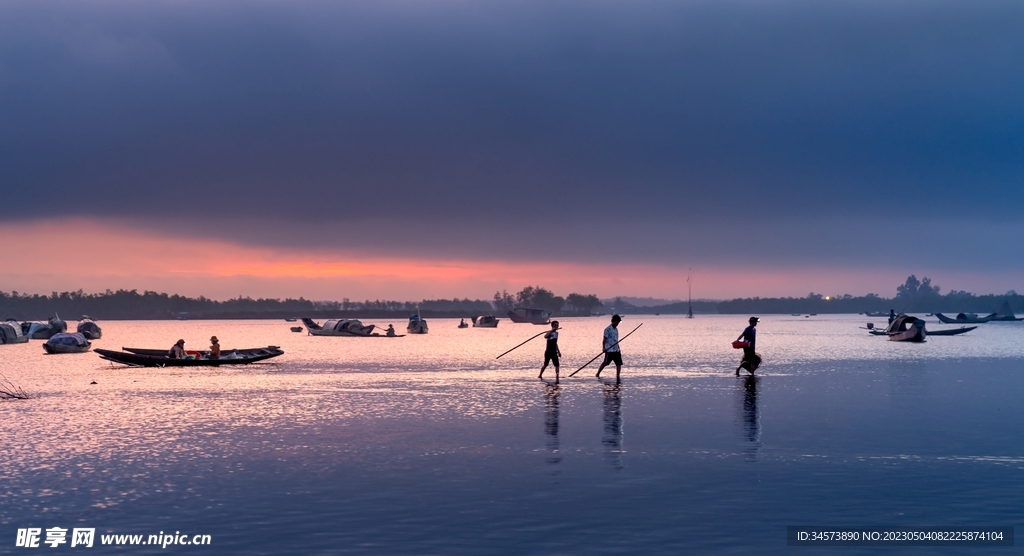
[684, 114]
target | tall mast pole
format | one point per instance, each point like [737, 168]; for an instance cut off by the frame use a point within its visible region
[689, 294]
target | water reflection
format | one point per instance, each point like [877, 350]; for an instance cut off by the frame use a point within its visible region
[551, 394]
[612, 438]
[750, 416]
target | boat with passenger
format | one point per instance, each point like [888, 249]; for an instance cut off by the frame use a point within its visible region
[138, 357]
[416, 325]
[905, 328]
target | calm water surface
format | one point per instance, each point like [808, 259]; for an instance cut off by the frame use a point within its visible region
[428, 445]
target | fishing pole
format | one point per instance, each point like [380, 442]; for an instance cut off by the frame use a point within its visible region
[530, 338]
[606, 351]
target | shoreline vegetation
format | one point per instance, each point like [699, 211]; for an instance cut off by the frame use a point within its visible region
[914, 296]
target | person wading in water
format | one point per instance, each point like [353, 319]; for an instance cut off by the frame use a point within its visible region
[751, 360]
[551, 352]
[610, 346]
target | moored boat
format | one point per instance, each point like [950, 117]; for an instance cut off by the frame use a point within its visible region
[151, 359]
[951, 331]
[296, 329]
[1005, 313]
[905, 328]
[417, 325]
[484, 321]
[529, 315]
[88, 328]
[965, 318]
[335, 327]
[10, 333]
[67, 343]
[44, 330]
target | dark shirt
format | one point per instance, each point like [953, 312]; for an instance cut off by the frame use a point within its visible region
[749, 334]
[552, 346]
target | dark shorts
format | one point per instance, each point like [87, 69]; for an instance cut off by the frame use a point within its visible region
[751, 360]
[613, 357]
[551, 358]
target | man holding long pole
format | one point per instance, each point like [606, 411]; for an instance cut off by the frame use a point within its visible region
[551, 351]
[610, 347]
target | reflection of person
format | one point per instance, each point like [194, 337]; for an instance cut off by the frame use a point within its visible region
[892, 316]
[751, 422]
[612, 438]
[551, 352]
[610, 347]
[551, 422]
[214, 348]
[177, 351]
[391, 330]
[751, 360]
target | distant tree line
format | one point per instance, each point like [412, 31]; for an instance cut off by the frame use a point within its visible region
[913, 296]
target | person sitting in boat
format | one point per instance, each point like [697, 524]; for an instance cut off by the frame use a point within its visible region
[391, 331]
[214, 348]
[177, 351]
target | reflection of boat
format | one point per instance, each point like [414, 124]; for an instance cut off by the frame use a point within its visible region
[10, 333]
[965, 318]
[951, 331]
[344, 327]
[485, 321]
[296, 329]
[67, 343]
[529, 315]
[416, 325]
[88, 328]
[233, 357]
[905, 328]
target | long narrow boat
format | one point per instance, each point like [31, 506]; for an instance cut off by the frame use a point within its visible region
[224, 352]
[232, 357]
[951, 331]
[965, 318]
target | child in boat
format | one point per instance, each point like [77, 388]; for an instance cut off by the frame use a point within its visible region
[214, 348]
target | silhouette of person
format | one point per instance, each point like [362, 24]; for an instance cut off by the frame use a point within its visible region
[610, 347]
[551, 351]
[751, 360]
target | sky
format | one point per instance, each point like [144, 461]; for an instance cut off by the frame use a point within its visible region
[427, 149]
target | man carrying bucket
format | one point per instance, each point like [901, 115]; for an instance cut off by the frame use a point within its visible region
[751, 360]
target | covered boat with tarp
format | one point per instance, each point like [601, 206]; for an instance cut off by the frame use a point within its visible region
[10, 333]
[67, 343]
[338, 327]
[88, 328]
[44, 330]
[417, 325]
[485, 321]
[905, 328]
[160, 358]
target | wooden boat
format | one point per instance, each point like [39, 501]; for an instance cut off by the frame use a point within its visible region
[951, 331]
[88, 328]
[203, 353]
[462, 324]
[485, 321]
[231, 357]
[67, 343]
[10, 333]
[905, 328]
[965, 318]
[296, 329]
[343, 327]
[529, 315]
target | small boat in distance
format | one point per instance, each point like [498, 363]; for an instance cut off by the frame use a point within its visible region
[44, 330]
[965, 318]
[67, 343]
[905, 328]
[484, 321]
[1005, 313]
[529, 315]
[88, 328]
[416, 325]
[333, 327]
[462, 323]
[296, 329]
[951, 331]
[290, 319]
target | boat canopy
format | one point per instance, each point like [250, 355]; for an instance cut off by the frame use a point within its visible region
[73, 339]
[8, 333]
